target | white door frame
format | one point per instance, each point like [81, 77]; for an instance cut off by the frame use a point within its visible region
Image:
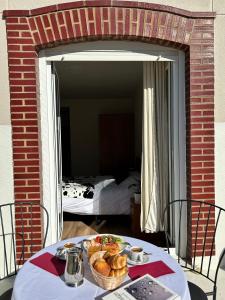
[106, 51]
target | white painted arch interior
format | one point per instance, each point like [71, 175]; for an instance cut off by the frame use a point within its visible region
[109, 51]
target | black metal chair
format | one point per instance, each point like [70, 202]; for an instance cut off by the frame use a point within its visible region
[201, 220]
[17, 234]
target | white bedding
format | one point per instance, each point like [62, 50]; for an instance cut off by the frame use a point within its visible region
[109, 198]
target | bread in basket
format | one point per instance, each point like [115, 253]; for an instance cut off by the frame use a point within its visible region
[116, 276]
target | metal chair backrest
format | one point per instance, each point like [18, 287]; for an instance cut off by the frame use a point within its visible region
[198, 220]
[17, 234]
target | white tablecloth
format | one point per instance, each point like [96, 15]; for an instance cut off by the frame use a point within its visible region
[34, 283]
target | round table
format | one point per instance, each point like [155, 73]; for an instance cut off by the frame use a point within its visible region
[35, 283]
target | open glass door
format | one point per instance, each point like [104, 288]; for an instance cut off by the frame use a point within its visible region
[58, 150]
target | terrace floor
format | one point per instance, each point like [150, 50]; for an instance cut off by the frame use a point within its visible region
[206, 286]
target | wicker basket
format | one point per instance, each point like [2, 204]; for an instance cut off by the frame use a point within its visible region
[107, 283]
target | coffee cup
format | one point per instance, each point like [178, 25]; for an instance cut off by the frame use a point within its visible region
[69, 245]
[136, 253]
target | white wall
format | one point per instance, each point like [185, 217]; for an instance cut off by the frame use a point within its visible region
[85, 131]
[194, 5]
[6, 167]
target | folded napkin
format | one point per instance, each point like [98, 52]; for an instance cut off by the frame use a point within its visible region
[155, 269]
[50, 263]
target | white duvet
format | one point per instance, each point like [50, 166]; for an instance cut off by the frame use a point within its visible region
[109, 198]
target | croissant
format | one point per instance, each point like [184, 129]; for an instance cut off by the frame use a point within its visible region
[117, 261]
[118, 272]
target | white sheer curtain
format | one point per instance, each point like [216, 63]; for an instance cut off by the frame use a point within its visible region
[155, 146]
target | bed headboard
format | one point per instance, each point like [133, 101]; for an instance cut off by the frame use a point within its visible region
[116, 139]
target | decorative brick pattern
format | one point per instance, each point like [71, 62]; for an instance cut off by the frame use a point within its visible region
[193, 32]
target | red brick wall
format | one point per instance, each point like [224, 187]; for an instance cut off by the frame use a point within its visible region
[31, 30]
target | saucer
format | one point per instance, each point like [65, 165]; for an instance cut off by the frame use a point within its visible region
[138, 262]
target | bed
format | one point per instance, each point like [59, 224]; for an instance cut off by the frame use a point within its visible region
[98, 195]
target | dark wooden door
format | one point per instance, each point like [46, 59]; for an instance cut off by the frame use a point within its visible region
[116, 142]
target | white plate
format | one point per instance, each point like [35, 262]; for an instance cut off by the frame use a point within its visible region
[145, 260]
[123, 244]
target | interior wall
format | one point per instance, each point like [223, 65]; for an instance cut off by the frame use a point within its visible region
[84, 129]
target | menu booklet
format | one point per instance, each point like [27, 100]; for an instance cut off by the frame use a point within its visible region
[143, 288]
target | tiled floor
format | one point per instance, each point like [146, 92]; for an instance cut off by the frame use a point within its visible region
[205, 284]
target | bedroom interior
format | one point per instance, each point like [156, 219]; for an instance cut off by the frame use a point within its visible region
[102, 129]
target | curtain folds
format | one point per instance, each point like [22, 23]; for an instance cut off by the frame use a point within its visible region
[155, 146]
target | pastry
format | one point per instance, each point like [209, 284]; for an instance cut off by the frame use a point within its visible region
[112, 248]
[118, 272]
[106, 255]
[93, 249]
[102, 267]
[117, 261]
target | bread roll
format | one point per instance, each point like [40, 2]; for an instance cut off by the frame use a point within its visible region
[117, 261]
[102, 267]
[118, 272]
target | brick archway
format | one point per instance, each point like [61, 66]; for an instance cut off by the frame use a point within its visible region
[28, 31]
